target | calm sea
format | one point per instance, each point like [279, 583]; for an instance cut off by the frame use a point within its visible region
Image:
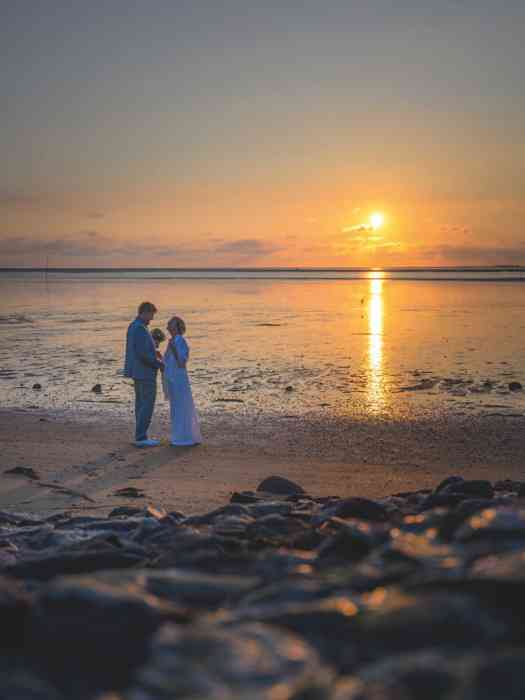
[389, 344]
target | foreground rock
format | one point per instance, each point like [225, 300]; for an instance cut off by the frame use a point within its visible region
[277, 594]
[256, 661]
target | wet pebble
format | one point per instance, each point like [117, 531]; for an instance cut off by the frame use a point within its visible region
[280, 486]
[117, 617]
[363, 508]
[494, 523]
[248, 661]
[129, 492]
[28, 472]
[426, 675]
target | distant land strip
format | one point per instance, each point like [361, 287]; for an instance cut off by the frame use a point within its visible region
[463, 268]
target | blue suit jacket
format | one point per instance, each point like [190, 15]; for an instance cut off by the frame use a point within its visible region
[141, 361]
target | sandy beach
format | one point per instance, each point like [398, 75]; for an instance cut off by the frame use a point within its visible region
[81, 464]
[403, 386]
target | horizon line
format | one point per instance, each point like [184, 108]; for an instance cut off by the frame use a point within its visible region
[405, 268]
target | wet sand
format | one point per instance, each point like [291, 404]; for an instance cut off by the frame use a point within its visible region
[81, 464]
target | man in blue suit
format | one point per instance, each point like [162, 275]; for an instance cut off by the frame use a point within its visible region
[142, 365]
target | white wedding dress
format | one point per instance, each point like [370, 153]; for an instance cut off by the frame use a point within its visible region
[185, 428]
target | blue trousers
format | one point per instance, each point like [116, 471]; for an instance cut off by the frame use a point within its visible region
[145, 394]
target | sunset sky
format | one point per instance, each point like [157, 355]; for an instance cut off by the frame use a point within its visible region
[240, 133]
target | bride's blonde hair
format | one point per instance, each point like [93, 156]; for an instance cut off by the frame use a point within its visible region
[179, 324]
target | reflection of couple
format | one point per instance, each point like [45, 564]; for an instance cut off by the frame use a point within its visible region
[142, 364]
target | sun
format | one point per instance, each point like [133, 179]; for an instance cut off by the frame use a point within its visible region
[376, 220]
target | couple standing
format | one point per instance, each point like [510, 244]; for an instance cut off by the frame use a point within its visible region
[142, 363]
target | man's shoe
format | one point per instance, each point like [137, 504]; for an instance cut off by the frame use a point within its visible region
[147, 443]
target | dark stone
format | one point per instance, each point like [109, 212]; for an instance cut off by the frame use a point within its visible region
[236, 509]
[423, 521]
[496, 582]
[232, 528]
[515, 386]
[448, 482]
[412, 494]
[494, 524]
[355, 507]
[19, 519]
[248, 661]
[456, 517]
[392, 568]
[198, 591]
[263, 508]
[442, 500]
[22, 684]
[422, 549]
[506, 568]
[499, 676]
[97, 389]
[176, 516]
[299, 497]
[349, 544]
[396, 622]
[308, 539]
[80, 624]
[129, 492]
[15, 601]
[280, 486]
[187, 548]
[455, 489]
[290, 591]
[475, 488]
[37, 386]
[82, 557]
[124, 511]
[275, 528]
[329, 626]
[289, 388]
[244, 497]
[28, 472]
[508, 485]
[427, 674]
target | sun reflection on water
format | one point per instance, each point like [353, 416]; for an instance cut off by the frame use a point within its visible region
[375, 390]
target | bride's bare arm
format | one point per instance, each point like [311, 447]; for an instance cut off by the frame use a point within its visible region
[180, 356]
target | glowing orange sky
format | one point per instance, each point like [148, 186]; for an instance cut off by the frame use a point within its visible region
[264, 136]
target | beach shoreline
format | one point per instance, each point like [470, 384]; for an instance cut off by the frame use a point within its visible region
[82, 462]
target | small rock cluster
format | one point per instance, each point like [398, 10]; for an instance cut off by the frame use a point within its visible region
[278, 595]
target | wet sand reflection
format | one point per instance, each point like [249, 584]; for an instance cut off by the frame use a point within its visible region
[375, 388]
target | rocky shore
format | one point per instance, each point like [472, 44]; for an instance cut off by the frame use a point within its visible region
[277, 595]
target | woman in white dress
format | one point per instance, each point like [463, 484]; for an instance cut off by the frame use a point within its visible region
[185, 429]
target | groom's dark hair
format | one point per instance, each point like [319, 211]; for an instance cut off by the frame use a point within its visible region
[147, 307]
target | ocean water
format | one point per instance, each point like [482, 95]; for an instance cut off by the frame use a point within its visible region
[367, 344]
